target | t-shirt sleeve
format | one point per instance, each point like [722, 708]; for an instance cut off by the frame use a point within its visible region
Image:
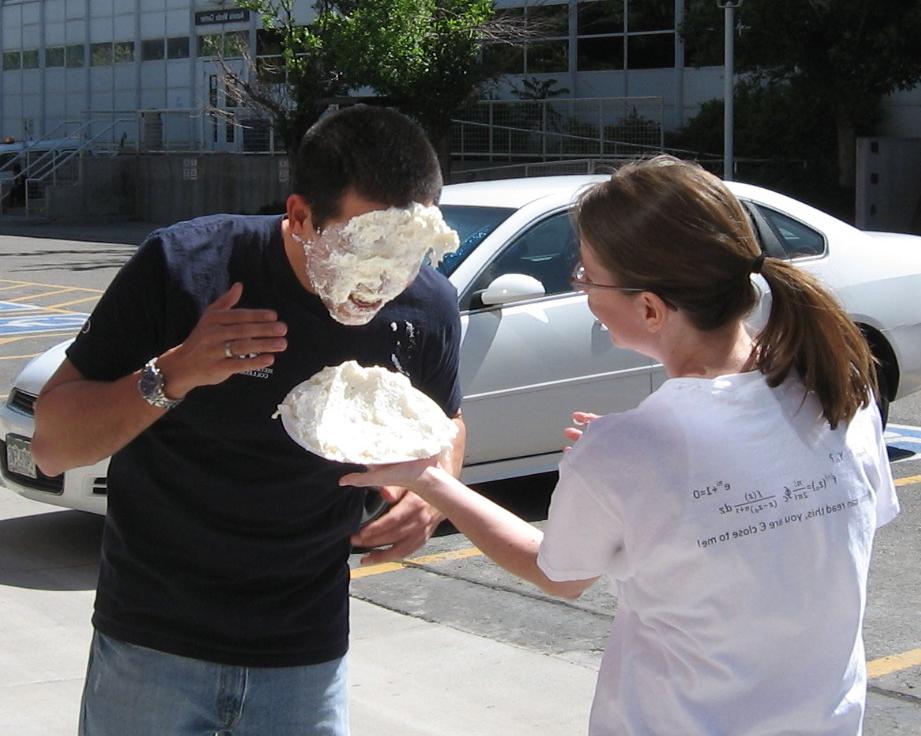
[442, 359]
[583, 538]
[125, 329]
[887, 503]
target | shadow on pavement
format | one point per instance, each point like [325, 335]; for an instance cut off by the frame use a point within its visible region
[51, 551]
[127, 232]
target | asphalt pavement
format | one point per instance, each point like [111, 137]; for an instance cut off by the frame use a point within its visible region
[446, 644]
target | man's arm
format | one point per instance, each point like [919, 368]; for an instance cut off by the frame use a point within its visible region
[79, 421]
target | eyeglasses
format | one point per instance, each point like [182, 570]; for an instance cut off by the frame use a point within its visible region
[580, 282]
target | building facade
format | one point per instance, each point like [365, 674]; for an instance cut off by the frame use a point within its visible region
[70, 60]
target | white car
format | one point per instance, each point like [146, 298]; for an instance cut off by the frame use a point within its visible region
[532, 352]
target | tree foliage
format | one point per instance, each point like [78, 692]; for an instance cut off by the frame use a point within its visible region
[421, 56]
[845, 54]
[296, 91]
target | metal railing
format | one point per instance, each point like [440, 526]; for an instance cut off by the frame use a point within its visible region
[63, 165]
[181, 130]
[558, 128]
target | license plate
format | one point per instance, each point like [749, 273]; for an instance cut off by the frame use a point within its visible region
[19, 456]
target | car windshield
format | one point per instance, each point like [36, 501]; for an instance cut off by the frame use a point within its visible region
[472, 224]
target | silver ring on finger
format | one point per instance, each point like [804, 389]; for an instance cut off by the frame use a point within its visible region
[228, 353]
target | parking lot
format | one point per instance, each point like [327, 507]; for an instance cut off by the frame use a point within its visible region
[443, 643]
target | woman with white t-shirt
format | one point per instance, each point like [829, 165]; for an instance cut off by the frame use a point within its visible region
[734, 510]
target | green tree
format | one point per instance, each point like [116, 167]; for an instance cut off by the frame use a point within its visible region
[846, 55]
[422, 55]
[295, 91]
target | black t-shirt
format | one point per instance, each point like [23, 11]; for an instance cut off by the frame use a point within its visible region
[224, 540]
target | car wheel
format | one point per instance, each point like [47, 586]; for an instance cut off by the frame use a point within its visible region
[374, 506]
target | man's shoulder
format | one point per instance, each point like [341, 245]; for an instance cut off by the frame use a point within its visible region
[433, 286]
[216, 228]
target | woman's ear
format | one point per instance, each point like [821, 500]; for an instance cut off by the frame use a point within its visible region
[653, 311]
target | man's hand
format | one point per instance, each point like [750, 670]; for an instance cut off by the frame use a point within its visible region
[225, 341]
[403, 529]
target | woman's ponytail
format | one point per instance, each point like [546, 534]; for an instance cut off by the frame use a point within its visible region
[808, 332]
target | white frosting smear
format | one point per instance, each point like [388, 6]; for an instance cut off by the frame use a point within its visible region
[362, 415]
[372, 258]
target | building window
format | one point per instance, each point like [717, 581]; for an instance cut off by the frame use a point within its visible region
[651, 15]
[551, 56]
[649, 30]
[54, 56]
[651, 51]
[549, 24]
[152, 49]
[600, 52]
[75, 56]
[30, 59]
[268, 42]
[177, 48]
[505, 58]
[100, 54]
[209, 45]
[124, 52]
[12, 60]
[600, 17]
[236, 44]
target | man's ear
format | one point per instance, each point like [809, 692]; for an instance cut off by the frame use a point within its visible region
[653, 311]
[299, 220]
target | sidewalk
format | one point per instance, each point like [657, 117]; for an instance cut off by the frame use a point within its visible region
[408, 677]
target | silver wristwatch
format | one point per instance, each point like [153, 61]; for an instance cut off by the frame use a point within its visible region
[152, 386]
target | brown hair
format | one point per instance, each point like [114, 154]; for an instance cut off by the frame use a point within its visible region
[670, 227]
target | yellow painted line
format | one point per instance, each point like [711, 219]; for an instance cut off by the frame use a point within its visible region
[61, 290]
[46, 286]
[33, 335]
[457, 554]
[894, 663]
[908, 480]
[60, 307]
[18, 357]
[363, 572]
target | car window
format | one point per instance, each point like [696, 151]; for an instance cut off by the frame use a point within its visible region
[472, 224]
[548, 251]
[797, 239]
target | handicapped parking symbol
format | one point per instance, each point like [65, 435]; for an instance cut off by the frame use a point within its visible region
[902, 440]
[41, 323]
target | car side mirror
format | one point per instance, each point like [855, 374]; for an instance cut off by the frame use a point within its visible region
[511, 287]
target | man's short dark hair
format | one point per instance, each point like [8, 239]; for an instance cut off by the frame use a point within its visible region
[378, 152]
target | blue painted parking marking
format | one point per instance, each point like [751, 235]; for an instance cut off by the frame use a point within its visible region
[41, 323]
[15, 307]
[903, 437]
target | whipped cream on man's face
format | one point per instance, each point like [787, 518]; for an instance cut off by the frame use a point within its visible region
[359, 266]
[365, 415]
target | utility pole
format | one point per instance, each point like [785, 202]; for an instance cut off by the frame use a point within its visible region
[729, 8]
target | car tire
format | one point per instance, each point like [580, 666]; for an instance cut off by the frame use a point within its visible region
[374, 506]
[882, 393]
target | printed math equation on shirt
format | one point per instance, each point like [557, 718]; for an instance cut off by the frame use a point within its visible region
[764, 511]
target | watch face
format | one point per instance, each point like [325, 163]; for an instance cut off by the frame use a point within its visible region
[149, 382]
[150, 386]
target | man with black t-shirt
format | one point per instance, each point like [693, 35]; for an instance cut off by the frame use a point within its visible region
[222, 603]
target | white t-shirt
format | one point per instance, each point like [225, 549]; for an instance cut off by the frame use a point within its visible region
[736, 527]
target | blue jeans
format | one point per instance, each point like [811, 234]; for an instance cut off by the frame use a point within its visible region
[144, 692]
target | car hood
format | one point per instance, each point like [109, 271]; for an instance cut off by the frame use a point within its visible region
[39, 369]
